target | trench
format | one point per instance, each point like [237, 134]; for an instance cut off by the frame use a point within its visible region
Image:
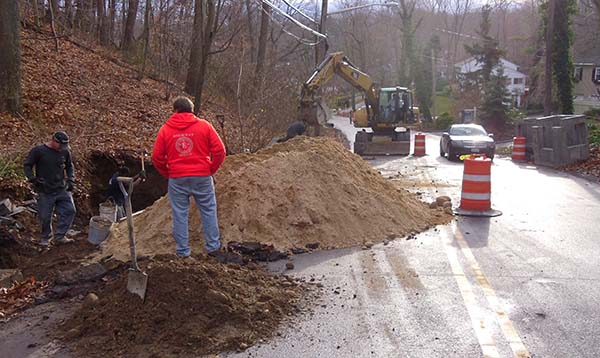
[104, 165]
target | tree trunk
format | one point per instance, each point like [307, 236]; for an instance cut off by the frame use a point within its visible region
[147, 16]
[103, 29]
[128, 34]
[10, 57]
[262, 40]
[193, 73]
[251, 28]
[208, 32]
[69, 12]
[112, 10]
[322, 47]
[548, 58]
[51, 7]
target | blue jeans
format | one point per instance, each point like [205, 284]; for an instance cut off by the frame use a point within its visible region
[203, 191]
[62, 203]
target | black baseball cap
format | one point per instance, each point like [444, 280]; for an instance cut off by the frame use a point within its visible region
[62, 138]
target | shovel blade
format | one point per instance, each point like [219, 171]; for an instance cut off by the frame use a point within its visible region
[137, 281]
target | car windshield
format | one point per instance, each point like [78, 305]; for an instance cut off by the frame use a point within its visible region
[467, 130]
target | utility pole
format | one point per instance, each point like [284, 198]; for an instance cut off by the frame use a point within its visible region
[321, 47]
[433, 83]
[548, 59]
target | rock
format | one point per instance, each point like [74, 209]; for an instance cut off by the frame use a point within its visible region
[91, 299]
[289, 265]
[433, 205]
[386, 242]
[10, 276]
[313, 246]
[442, 199]
[369, 244]
[298, 251]
[448, 211]
[81, 274]
[447, 204]
[6, 207]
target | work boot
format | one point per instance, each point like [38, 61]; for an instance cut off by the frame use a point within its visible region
[63, 240]
[187, 259]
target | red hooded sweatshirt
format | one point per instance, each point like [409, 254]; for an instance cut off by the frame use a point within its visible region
[187, 146]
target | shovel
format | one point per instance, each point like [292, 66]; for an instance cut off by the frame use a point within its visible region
[137, 280]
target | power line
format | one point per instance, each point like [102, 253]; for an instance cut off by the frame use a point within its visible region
[299, 11]
[299, 38]
[298, 23]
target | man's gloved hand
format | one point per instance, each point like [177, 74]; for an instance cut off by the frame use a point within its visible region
[70, 185]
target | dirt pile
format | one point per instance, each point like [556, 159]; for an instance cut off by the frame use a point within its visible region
[190, 309]
[303, 191]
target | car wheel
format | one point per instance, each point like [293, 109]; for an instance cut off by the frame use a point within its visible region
[442, 153]
[451, 154]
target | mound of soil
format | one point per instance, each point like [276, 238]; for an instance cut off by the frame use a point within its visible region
[307, 190]
[190, 309]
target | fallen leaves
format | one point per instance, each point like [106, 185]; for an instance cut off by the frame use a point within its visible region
[21, 295]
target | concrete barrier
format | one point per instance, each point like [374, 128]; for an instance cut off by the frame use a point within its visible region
[555, 140]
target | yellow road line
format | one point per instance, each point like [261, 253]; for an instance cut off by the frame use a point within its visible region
[482, 331]
[509, 331]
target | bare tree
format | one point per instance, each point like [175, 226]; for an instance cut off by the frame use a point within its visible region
[10, 57]
[262, 39]
[129, 31]
[103, 23]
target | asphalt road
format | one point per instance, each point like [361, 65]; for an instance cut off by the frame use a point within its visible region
[524, 284]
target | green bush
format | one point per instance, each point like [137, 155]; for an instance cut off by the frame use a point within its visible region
[593, 113]
[444, 121]
[594, 133]
[513, 115]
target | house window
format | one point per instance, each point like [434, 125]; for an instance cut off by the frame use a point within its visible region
[596, 75]
[518, 81]
[578, 73]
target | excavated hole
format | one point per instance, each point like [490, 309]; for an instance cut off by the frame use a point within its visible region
[104, 165]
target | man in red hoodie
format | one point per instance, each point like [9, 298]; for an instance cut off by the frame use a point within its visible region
[189, 151]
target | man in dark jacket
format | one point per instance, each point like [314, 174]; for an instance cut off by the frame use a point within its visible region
[295, 129]
[51, 161]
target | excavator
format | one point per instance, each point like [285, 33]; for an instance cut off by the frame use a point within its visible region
[384, 119]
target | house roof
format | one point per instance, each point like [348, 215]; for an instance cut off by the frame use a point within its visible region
[588, 54]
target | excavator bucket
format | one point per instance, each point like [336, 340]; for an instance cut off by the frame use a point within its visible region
[315, 114]
[397, 143]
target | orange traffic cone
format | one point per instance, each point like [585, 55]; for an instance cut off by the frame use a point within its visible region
[475, 198]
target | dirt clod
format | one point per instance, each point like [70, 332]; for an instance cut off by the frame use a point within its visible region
[91, 299]
[289, 265]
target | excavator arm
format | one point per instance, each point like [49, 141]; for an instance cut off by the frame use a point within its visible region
[335, 64]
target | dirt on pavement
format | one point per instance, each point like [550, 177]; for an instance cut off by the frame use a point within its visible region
[304, 191]
[191, 309]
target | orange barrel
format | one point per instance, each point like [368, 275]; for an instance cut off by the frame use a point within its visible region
[419, 144]
[518, 152]
[476, 185]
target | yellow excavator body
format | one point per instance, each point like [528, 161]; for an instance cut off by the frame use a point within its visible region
[387, 111]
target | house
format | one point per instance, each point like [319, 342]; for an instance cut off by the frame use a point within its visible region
[515, 79]
[587, 79]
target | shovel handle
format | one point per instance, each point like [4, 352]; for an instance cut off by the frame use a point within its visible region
[129, 212]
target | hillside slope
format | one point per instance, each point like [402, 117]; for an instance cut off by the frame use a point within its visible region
[102, 105]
